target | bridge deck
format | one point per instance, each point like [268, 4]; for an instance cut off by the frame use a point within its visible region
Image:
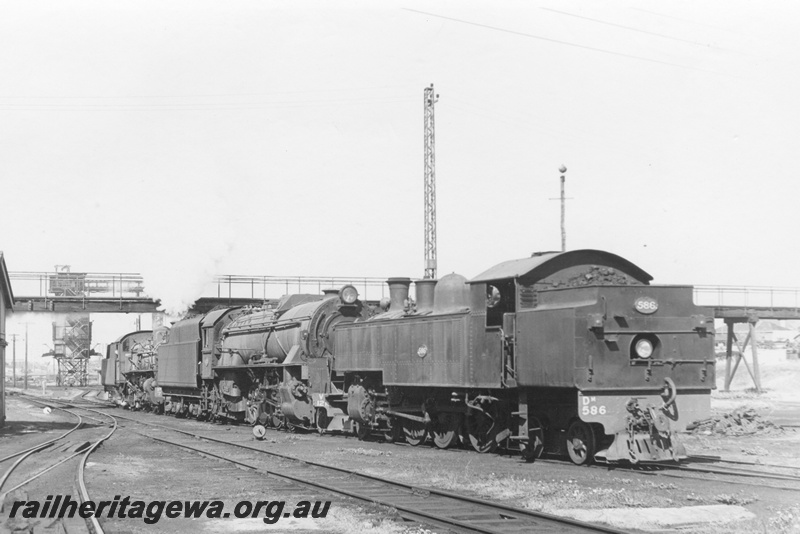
[85, 304]
[741, 315]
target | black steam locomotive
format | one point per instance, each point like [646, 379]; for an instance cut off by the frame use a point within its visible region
[569, 352]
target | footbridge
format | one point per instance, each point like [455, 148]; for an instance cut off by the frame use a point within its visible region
[737, 304]
[64, 291]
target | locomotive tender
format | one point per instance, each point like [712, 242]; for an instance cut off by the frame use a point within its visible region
[563, 352]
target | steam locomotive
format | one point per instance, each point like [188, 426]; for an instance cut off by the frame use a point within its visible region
[563, 352]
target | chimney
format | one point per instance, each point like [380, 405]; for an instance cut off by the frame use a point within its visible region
[425, 289]
[398, 292]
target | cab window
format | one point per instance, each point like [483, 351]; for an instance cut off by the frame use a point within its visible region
[500, 299]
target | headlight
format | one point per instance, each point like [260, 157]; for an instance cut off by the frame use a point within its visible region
[348, 294]
[644, 348]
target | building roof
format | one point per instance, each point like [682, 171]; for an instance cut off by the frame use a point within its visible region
[543, 261]
[5, 284]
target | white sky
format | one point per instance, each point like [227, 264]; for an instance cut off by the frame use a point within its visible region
[184, 139]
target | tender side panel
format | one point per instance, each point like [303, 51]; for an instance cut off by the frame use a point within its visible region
[415, 351]
[178, 358]
[357, 347]
[177, 364]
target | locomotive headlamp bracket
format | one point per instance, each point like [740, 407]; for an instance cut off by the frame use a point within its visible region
[700, 322]
[596, 324]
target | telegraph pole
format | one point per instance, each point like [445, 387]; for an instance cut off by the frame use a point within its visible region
[14, 359]
[26, 357]
[429, 99]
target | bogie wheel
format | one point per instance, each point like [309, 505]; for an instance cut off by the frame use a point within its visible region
[581, 443]
[482, 431]
[415, 432]
[534, 447]
[446, 429]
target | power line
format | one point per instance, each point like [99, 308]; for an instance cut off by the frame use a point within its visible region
[624, 27]
[212, 95]
[556, 41]
[211, 106]
[686, 20]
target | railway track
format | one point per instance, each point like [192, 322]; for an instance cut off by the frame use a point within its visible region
[716, 468]
[405, 498]
[720, 475]
[44, 444]
[706, 458]
[58, 456]
[439, 509]
[699, 464]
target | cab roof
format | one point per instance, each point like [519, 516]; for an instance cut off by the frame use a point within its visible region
[542, 264]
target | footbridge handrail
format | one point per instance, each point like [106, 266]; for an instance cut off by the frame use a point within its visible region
[755, 297]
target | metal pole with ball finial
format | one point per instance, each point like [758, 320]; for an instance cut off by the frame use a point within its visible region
[562, 170]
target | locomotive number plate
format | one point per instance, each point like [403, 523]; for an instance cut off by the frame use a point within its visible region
[646, 305]
[590, 406]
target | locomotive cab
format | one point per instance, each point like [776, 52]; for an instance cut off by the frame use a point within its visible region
[603, 362]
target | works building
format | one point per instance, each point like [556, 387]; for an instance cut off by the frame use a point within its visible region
[6, 306]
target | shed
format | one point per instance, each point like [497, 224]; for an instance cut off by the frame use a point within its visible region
[6, 306]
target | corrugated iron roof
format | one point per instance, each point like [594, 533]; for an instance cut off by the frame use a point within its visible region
[527, 266]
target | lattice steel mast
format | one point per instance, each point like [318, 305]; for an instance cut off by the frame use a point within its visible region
[429, 99]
